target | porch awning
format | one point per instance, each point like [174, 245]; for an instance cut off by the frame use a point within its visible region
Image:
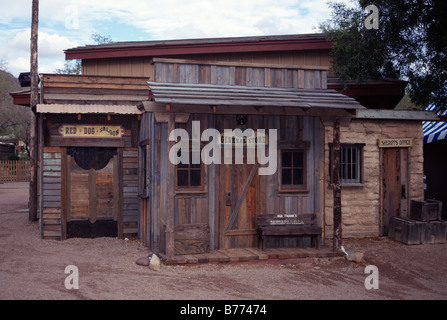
[434, 130]
[226, 95]
[87, 108]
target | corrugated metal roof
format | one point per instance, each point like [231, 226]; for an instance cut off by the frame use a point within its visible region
[215, 95]
[87, 108]
[434, 130]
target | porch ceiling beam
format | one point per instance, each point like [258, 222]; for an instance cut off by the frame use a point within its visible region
[160, 107]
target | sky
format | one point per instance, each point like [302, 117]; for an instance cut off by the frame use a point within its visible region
[70, 23]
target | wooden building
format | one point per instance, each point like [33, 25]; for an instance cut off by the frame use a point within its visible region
[280, 87]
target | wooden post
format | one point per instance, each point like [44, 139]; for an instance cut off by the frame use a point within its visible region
[170, 194]
[34, 128]
[336, 184]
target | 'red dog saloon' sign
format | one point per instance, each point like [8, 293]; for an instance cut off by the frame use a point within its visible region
[91, 131]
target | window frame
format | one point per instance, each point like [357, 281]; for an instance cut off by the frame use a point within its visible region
[144, 168]
[188, 187]
[344, 181]
[293, 187]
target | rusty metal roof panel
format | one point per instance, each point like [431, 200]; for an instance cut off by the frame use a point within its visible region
[215, 95]
[87, 108]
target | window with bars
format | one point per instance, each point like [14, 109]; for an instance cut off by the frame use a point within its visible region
[351, 163]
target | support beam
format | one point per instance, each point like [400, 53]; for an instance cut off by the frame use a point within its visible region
[336, 185]
[170, 196]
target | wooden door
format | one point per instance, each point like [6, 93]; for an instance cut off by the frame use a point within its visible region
[92, 185]
[241, 195]
[395, 179]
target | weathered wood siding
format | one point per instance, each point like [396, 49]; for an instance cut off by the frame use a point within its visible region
[254, 75]
[51, 220]
[264, 196]
[126, 67]
[130, 191]
[85, 89]
[73, 193]
[141, 66]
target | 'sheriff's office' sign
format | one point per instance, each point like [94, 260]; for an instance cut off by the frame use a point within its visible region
[91, 131]
[395, 143]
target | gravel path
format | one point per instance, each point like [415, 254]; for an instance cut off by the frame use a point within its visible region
[31, 268]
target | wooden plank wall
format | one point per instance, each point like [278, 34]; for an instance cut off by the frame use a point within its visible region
[51, 221]
[130, 192]
[196, 72]
[141, 66]
[126, 67]
[208, 206]
[126, 176]
[81, 89]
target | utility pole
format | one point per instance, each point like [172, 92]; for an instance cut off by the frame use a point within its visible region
[34, 100]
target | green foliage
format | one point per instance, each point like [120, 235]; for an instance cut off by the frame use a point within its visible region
[75, 66]
[99, 39]
[410, 44]
[71, 67]
[15, 120]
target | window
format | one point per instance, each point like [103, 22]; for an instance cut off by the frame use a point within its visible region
[189, 175]
[144, 170]
[293, 173]
[351, 163]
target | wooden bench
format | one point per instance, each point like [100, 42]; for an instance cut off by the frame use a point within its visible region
[288, 225]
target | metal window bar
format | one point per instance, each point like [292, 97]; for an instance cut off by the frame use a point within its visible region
[350, 164]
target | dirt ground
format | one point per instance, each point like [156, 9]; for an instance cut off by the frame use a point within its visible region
[32, 268]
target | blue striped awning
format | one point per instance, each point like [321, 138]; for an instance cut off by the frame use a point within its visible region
[434, 130]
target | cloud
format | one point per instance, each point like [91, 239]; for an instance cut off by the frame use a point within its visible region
[174, 19]
[70, 23]
[50, 50]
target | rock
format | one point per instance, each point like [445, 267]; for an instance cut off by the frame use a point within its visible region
[354, 256]
[143, 261]
[155, 263]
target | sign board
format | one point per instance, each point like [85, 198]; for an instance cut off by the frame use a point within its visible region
[395, 143]
[91, 131]
[246, 138]
[286, 219]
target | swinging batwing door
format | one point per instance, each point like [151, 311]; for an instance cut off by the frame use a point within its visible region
[92, 194]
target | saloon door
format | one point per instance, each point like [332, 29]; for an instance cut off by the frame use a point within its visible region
[93, 195]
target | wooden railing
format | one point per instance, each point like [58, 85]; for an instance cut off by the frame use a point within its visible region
[14, 171]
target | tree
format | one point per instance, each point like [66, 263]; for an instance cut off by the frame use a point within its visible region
[71, 67]
[410, 43]
[99, 39]
[75, 66]
[14, 119]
